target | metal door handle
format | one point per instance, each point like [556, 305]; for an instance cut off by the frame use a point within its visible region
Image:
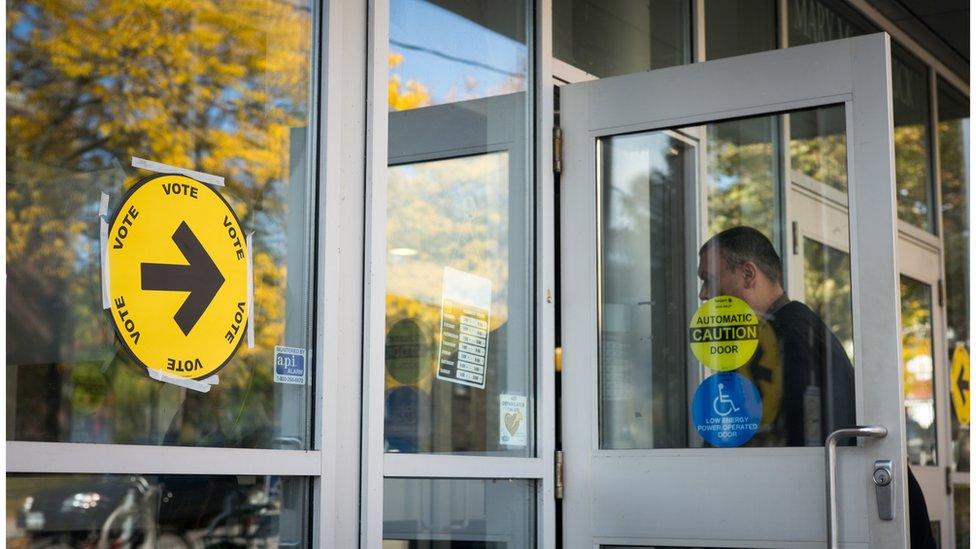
[869, 431]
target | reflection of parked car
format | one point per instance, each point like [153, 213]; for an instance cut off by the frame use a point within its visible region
[129, 511]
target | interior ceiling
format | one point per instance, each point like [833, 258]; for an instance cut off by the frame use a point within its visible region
[942, 27]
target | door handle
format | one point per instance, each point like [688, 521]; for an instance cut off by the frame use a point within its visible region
[869, 431]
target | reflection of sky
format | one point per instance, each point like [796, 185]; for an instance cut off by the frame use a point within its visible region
[480, 61]
[635, 159]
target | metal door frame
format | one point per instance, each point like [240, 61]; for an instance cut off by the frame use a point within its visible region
[855, 72]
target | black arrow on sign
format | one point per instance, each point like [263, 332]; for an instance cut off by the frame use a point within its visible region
[201, 278]
[961, 383]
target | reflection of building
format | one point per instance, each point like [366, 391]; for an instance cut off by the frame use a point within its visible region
[367, 146]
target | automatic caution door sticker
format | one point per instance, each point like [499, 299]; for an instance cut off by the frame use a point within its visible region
[724, 333]
[178, 276]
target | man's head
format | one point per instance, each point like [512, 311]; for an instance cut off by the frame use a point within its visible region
[741, 262]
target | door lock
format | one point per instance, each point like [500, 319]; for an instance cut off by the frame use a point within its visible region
[882, 488]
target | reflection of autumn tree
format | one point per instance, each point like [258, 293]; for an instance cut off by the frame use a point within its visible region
[818, 145]
[824, 158]
[916, 339]
[404, 96]
[452, 212]
[212, 86]
[412, 94]
[827, 290]
[955, 187]
[448, 213]
[740, 176]
[911, 174]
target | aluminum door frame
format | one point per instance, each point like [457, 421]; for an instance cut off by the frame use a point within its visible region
[644, 495]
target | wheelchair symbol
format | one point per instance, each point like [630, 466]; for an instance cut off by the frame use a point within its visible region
[722, 404]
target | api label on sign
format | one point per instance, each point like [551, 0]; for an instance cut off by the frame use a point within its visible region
[289, 365]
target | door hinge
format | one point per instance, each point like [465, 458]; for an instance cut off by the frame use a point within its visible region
[948, 479]
[559, 475]
[557, 150]
[941, 290]
[796, 239]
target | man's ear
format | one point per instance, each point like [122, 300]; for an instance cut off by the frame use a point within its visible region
[750, 274]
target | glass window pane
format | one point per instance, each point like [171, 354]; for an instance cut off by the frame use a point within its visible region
[812, 21]
[913, 179]
[738, 27]
[818, 148]
[85, 97]
[650, 373]
[458, 513]
[918, 367]
[954, 143]
[642, 379]
[459, 355]
[827, 285]
[622, 37]
[960, 501]
[742, 176]
[58, 510]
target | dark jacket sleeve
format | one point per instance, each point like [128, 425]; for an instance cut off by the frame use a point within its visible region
[919, 525]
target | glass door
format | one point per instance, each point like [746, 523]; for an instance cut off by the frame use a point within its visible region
[927, 381]
[723, 317]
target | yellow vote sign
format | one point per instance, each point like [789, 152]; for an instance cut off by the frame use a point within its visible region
[724, 333]
[765, 369]
[177, 261]
[959, 384]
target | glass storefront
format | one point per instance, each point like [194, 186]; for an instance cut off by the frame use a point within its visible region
[612, 38]
[231, 89]
[913, 177]
[447, 513]
[221, 88]
[738, 27]
[812, 21]
[459, 335]
[954, 146]
[171, 511]
[919, 371]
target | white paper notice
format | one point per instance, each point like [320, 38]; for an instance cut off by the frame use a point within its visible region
[511, 420]
[465, 321]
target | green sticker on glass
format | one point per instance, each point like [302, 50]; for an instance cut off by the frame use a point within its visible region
[724, 333]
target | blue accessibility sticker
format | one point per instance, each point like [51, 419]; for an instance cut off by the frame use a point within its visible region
[726, 410]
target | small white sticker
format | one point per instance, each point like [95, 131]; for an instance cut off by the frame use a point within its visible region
[512, 420]
[465, 321]
[289, 365]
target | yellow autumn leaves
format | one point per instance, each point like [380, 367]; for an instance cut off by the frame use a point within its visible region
[405, 96]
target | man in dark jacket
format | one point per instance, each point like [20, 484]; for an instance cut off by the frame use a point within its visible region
[817, 375]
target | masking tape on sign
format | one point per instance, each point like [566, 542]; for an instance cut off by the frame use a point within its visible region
[186, 383]
[103, 248]
[249, 240]
[159, 167]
